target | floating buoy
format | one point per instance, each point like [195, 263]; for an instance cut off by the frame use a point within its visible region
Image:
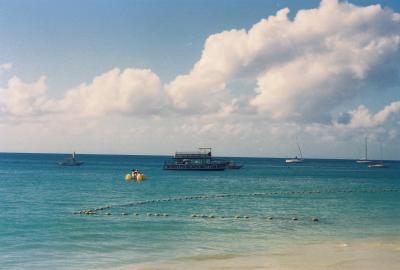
[140, 177]
[137, 177]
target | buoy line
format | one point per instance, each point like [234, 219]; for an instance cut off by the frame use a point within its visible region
[216, 217]
[93, 211]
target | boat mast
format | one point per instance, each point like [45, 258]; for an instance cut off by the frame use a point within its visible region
[301, 155]
[366, 148]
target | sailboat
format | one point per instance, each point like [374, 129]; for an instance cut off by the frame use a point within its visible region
[296, 159]
[365, 159]
[380, 164]
[71, 161]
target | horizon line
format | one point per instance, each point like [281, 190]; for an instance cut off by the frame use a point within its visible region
[164, 155]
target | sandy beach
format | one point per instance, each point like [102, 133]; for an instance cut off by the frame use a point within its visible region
[368, 254]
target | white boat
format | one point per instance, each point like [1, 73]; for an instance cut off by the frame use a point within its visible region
[365, 159]
[296, 159]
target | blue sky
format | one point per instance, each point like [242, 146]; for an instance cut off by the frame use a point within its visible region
[72, 42]
[86, 38]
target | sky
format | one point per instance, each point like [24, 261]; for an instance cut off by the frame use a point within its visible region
[247, 78]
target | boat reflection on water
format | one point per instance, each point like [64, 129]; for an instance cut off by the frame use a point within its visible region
[378, 165]
[233, 165]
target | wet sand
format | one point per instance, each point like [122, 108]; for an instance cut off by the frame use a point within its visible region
[371, 254]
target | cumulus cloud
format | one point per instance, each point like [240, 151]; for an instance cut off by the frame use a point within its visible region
[20, 99]
[363, 118]
[296, 72]
[131, 91]
[303, 67]
[350, 46]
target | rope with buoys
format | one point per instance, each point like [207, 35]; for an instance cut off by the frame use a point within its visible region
[94, 211]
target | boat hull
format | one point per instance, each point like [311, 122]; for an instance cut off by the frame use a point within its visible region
[194, 167]
[363, 161]
[294, 161]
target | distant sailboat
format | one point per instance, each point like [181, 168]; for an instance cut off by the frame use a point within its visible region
[378, 165]
[71, 161]
[365, 159]
[296, 159]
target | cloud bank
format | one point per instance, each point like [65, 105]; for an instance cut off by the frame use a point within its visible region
[302, 71]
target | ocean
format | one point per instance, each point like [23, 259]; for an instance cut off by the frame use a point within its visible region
[263, 207]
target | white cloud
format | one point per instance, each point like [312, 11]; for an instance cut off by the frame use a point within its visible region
[297, 70]
[363, 118]
[131, 91]
[303, 67]
[21, 99]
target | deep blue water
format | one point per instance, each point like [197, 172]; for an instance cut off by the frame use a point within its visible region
[38, 229]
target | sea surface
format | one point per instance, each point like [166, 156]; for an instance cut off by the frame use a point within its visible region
[264, 206]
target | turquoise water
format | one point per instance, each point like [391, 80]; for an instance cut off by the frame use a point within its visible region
[39, 230]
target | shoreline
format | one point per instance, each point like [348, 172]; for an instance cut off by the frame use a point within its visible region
[359, 254]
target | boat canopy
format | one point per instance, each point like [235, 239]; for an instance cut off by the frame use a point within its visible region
[202, 153]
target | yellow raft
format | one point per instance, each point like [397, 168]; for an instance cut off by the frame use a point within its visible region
[139, 177]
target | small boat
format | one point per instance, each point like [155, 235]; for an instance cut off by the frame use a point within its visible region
[365, 159]
[135, 175]
[296, 159]
[233, 165]
[70, 161]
